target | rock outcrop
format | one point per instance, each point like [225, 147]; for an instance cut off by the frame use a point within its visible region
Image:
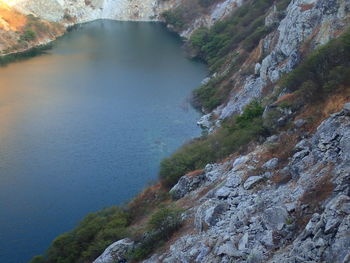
[306, 23]
[87, 10]
[116, 252]
[256, 218]
[217, 12]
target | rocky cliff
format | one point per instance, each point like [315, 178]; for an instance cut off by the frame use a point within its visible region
[259, 210]
[306, 25]
[88, 10]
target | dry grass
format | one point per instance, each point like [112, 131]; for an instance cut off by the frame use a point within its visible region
[195, 173]
[316, 112]
[287, 98]
[306, 7]
[148, 200]
[313, 198]
[282, 150]
[318, 193]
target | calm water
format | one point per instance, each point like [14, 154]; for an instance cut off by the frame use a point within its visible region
[84, 127]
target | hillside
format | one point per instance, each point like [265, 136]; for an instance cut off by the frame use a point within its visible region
[19, 32]
[269, 179]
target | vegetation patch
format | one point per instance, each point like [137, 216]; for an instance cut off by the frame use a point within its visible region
[245, 27]
[323, 71]
[28, 35]
[218, 46]
[161, 226]
[87, 241]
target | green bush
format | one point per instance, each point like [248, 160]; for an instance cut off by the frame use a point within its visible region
[253, 40]
[325, 69]
[87, 241]
[252, 111]
[210, 95]
[28, 35]
[174, 18]
[161, 227]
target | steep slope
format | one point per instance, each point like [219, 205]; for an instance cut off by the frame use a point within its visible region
[19, 32]
[88, 10]
[253, 215]
[305, 26]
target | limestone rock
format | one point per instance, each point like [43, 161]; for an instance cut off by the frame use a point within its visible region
[116, 252]
[252, 181]
[276, 217]
[271, 164]
[186, 184]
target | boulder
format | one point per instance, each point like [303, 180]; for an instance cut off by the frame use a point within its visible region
[209, 213]
[252, 181]
[275, 217]
[271, 164]
[116, 252]
[299, 123]
[186, 184]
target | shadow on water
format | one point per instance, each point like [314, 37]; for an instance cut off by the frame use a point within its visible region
[21, 56]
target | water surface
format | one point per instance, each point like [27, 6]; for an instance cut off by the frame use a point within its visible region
[84, 127]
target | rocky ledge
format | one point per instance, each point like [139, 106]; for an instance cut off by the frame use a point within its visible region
[276, 211]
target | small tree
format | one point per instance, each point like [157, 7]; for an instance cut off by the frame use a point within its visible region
[28, 35]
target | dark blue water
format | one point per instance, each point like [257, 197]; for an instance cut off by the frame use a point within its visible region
[85, 126]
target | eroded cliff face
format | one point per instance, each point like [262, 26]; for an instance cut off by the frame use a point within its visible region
[306, 25]
[216, 12]
[88, 10]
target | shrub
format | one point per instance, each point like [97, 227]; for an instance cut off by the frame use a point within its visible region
[210, 95]
[323, 70]
[252, 111]
[174, 18]
[161, 227]
[87, 241]
[28, 35]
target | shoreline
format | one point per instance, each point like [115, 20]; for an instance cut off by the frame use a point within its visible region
[40, 48]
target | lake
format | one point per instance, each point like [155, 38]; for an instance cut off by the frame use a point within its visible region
[85, 125]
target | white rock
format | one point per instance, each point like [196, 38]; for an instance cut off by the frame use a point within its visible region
[251, 181]
[271, 164]
[115, 252]
[243, 242]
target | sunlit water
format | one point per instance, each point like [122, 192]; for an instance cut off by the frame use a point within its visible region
[85, 126]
